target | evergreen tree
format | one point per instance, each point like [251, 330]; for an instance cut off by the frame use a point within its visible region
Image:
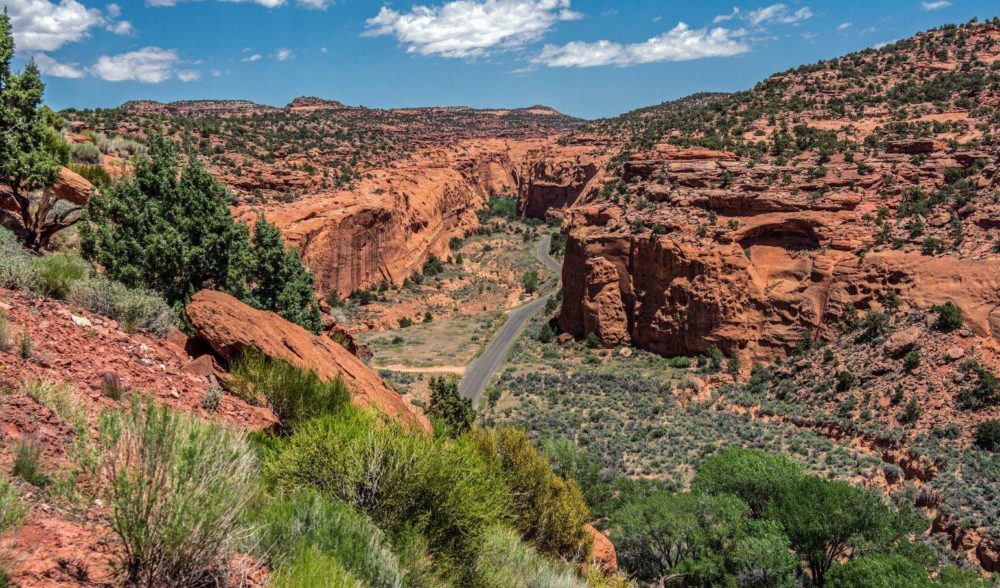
[174, 233]
[280, 282]
[450, 407]
[31, 152]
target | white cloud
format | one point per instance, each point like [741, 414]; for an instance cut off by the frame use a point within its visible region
[264, 3]
[113, 10]
[51, 67]
[323, 50]
[121, 27]
[315, 4]
[844, 25]
[188, 75]
[778, 13]
[725, 17]
[935, 5]
[150, 65]
[470, 28]
[284, 54]
[252, 58]
[682, 43]
[41, 25]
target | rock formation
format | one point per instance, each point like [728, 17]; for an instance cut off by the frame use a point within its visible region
[229, 327]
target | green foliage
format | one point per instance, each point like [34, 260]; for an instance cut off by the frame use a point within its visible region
[134, 310]
[825, 519]
[911, 360]
[449, 407]
[550, 510]
[17, 266]
[174, 233]
[504, 561]
[56, 273]
[949, 316]
[292, 522]
[292, 393]
[311, 568]
[279, 281]
[28, 463]
[178, 489]
[85, 153]
[985, 388]
[752, 475]
[444, 487]
[94, 174]
[12, 508]
[530, 281]
[878, 571]
[31, 150]
[987, 435]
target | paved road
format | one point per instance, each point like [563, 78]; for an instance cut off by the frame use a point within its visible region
[479, 373]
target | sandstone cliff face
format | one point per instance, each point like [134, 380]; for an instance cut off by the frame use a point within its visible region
[387, 227]
[702, 248]
[555, 177]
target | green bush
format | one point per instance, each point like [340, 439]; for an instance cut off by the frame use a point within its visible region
[134, 310]
[17, 267]
[12, 508]
[56, 273]
[949, 316]
[311, 568]
[303, 519]
[394, 477]
[293, 394]
[448, 407]
[878, 571]
[94, 174]
[752, 475]
[503, 560]
[987, 435]
[28, 463]
[550, 511]
[85, 153]
[178, 489]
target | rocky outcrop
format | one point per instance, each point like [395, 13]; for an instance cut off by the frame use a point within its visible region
[556, 176]
[73, 187]
[602, 551]
[229, 327]
[387, 227]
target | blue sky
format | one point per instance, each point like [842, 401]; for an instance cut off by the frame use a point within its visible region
[587, 58]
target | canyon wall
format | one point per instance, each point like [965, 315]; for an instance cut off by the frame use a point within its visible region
[386, 228]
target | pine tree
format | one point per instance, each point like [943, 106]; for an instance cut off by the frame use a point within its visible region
[31, 152]
[280, 282]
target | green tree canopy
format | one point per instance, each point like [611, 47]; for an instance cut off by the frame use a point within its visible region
[447, 406]
[753, 475]
[173, 232]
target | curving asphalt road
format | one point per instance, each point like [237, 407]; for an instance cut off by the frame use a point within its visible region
[479, 373]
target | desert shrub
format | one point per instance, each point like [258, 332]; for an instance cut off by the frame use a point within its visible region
[394, 477]
[550, 511]
[293, 394]
[987, 435]
[504, 560]
[6, 336]
[949, 316]
[911, 412]
[311, 568]
[304, 519]
[878, 571]
[60, 399]
[118, 145]
[752, 475]
[12, 508]
[448, 407]
[28, 463]
[985, 389]
[56, 273]
[911, 360]
[134, 310]
[17, 268]
[84, 153]
[94, 174]
[178, 489]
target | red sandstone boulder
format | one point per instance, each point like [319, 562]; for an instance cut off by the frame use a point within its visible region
[73, 187]
[602, 553]
[229, 327]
